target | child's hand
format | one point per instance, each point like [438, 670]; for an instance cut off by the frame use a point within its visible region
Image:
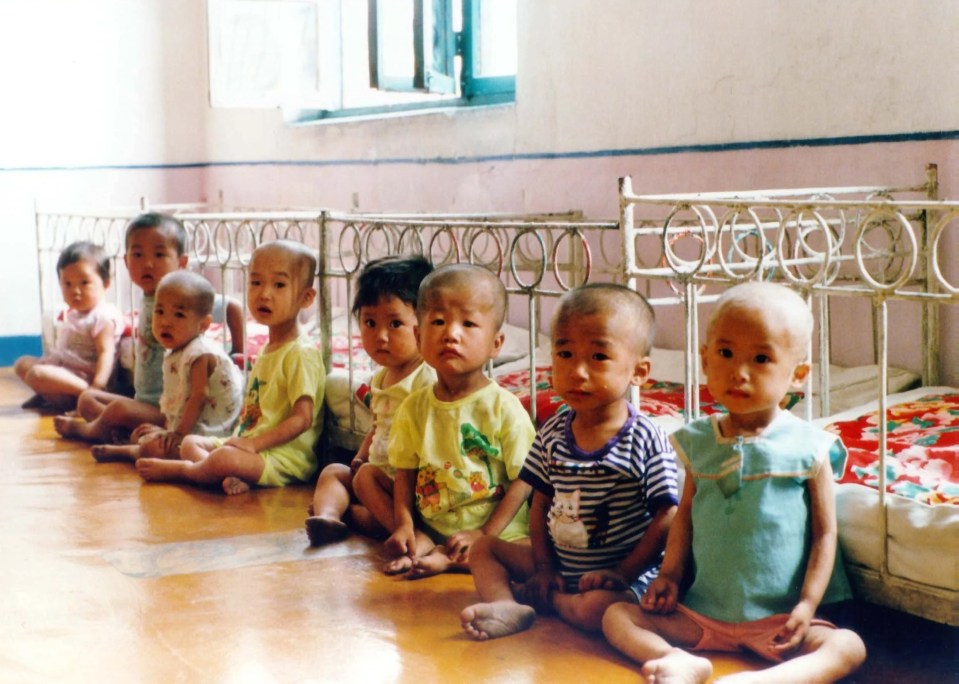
[793, 633]
[170, 442]
[458, 545]
[540, 587]
[401, 543]
[241, 443]
[602, 579]
[661, 596]
[356, 463]
[141, 431]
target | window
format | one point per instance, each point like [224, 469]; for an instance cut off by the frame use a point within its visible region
[324, 58]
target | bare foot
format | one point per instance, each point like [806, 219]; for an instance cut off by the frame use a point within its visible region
[160, 470]
[677, 667]
[234, 485]
[325, 530]
[433, 563]
[70, 427]
[484, 621]
[110, 453]
[398, 566]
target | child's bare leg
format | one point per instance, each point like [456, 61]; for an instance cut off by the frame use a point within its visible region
[374, 489]
[92, 402]
[196, 448]
[494, 564]
[585, 610]
[403, 564]
[123, 413]
[51, 381]
[827, 655]
[224, 464]
[647, 638]
[331, 500]
[108, 453]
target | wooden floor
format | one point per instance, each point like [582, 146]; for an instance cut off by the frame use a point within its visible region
[105, 578]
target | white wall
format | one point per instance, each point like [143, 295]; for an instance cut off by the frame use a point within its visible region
[110, 104]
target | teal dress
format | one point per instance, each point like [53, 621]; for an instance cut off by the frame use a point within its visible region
[750, 516]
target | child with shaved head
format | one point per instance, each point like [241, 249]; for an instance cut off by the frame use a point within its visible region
[281, 417]
[459, 444]
[201, 385]
[603, 478]
[756, 527]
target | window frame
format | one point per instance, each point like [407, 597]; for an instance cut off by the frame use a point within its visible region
[434, 70]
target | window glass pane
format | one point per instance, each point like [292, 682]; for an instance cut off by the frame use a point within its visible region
[496, 39]
[395, 26]
[264, 50]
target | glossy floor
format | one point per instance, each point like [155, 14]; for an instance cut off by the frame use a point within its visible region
[107, 579]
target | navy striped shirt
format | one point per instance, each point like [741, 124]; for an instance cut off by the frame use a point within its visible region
[602, 501]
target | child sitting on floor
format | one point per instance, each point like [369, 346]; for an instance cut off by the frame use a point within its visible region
[202, 388]
[459, 445]
[85, 351]
[756, 527]
[603, 478]
[281, 418]
[385, 305]
[155, 245]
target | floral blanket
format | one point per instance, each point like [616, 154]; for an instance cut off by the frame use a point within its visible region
[923, 441]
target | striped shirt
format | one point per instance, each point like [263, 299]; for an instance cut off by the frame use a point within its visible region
[602, 501]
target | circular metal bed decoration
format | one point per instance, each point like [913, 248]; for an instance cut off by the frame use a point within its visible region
[895, 252]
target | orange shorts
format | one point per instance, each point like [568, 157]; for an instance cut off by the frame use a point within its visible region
[756, 636]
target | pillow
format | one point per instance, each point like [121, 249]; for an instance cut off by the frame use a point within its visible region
[516, 344]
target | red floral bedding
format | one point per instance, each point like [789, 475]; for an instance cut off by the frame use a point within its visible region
[923, 438]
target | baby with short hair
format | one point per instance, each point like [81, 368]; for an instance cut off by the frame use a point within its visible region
[457, 446]
[202, 387]
[361, 492]
[756, 530]
[603, 478]
[281, 418]
[85, 353]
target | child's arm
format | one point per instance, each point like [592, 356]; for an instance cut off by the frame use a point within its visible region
[644, 554]
[106, 346]
[403, 540]
[663, 592]
[235, 323]
[546, 579]
[363, 453]
[822, 558]
[203, 366]
[299, 420]
[457, 545]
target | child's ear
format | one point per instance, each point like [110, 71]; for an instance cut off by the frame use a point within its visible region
[307, 297]
[800, 373]
[702, 357]
[498, 344]
[183, 260]
[206, 322]
[641, 372]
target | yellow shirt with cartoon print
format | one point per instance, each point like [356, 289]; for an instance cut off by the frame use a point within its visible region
[466, 453]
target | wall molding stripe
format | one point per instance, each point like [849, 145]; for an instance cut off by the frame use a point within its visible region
[529, 156]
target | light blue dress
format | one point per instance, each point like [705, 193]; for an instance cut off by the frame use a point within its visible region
[750, 516]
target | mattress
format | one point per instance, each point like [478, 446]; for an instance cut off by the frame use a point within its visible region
[922, 482]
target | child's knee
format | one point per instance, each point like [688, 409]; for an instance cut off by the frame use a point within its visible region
[619, 617]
